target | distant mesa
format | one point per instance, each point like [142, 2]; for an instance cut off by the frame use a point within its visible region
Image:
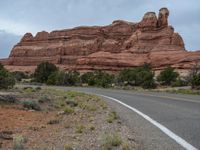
[110, 48]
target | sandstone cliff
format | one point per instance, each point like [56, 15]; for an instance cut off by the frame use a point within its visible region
[111, 48]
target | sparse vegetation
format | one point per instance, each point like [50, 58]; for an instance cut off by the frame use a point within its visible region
[167, 76]
[92, 127]
[111, 140]
[142, 76]
[68, 147]
[31, 105]
[86, 115]
[112, 116]
[6, 79]
[54, 121]
[98, 78]
[18, 142]
[185, 91]
[29, 89]
[125, 146]
[68, 110]
[44, 71]
[18, 75]
[43, 99]
[139, 76]
[196, 81]
[179, 82]
[80, 128]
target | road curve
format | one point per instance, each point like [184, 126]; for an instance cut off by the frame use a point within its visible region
[179, 113]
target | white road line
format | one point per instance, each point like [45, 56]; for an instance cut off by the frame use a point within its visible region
[172, 135]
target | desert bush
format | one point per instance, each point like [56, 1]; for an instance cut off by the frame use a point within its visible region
[29, 89]
[167, 76]
[6, 79]
[56, 78]
[43, 71]
[112, 116]
[71, 103]
[68, 110]
[196, 81]
[125, 146]
[98, 78]
[18, 75]
[91, 127]
[62, 78]
[8, 99]
[38, 88]
[68, 147]
[88, 78]
[139, 76]
[80, 128]
[18, 142]
[29, 104]
[53, 121]
[179, 82]
[111, 140]
[72, 78]
[44, 99]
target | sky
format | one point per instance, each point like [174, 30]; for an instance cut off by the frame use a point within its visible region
[20, 16]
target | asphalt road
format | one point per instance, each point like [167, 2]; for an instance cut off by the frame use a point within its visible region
[179, 113]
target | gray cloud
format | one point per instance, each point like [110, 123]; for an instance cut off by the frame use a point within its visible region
[21, 16]
[7, 40]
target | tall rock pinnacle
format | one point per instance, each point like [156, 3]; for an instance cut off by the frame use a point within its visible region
[163, 17]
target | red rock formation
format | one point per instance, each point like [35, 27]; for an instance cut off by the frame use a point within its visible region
[111, 48]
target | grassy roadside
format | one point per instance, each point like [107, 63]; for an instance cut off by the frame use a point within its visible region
[55, 119]
[174, 90]
[187, 91]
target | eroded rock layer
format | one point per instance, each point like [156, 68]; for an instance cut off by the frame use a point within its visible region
[111, 48]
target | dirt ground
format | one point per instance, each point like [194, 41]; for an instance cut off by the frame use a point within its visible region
[44, 119]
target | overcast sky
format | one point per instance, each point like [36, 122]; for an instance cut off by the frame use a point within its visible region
[20, 16]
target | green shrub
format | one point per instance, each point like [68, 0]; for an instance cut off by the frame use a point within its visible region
[56, 78]
[88, 78]
[62, 78]
[6, 79]
[196, 81]
[31, 105]
[97, 78]
[178, 83]
[167, 76]
[139, 76]
[18, 75]
[72, 78]
[43, 71]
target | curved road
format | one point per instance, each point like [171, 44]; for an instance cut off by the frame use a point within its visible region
[179, 113]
